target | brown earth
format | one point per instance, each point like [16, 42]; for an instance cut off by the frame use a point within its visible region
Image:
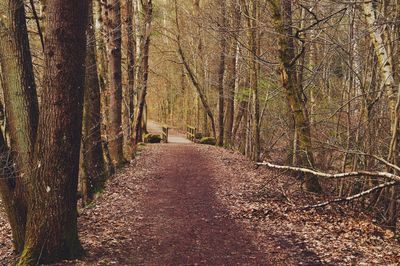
[164, 211]
[186, 204]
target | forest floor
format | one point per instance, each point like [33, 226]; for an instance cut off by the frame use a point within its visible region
[188, 204]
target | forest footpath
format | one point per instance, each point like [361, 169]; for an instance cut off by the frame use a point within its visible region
[186, 204]
[164, 209]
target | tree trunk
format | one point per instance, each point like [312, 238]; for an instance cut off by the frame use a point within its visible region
[148, 8]
[101, 16]
[128, 92]
[16, 213]
[94, 173]
[221, 74]
[232, 76]
[192, 76]
[382, 51]
[51, 231]
[21, 104]
[283, 19]
[115, 132]
[251, 14]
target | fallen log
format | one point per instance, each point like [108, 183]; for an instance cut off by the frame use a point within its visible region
[333, 176]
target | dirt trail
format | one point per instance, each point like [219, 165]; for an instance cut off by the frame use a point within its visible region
[163, 210]
[189, 224]
[187, 204]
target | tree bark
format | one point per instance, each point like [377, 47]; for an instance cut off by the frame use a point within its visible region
[128, 92]
[221, 73]
[94, 174]
[21, 104]
[282, 10]
[251, 14]
[232, 76]
[383, 53]
[51, 231]
[148, 8]
[114, 42]
[101, 17]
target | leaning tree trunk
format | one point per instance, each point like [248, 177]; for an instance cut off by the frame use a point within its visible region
[21, 105]
[283, 19]
[115, 132]
[94, 174]
[200, 90]
[51, 231]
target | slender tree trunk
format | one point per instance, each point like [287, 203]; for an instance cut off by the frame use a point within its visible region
[128, 92]
[101, 16]
[115, 131]
[193, 78]
[51, 231]
[200, 69]
[232, 76]
[251, 14]
[148, 8]
[230, 98]
[221, 73]
[94, 174]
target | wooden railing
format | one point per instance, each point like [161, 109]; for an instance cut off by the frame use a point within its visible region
[190, 133]
[164, 135]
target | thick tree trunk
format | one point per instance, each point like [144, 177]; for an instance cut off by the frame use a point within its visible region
[21, 104]
[115, 131]
[51, 232]
[94, 174]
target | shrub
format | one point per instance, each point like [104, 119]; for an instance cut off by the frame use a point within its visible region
[208, 141]
[198, 135]
[152, 138]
